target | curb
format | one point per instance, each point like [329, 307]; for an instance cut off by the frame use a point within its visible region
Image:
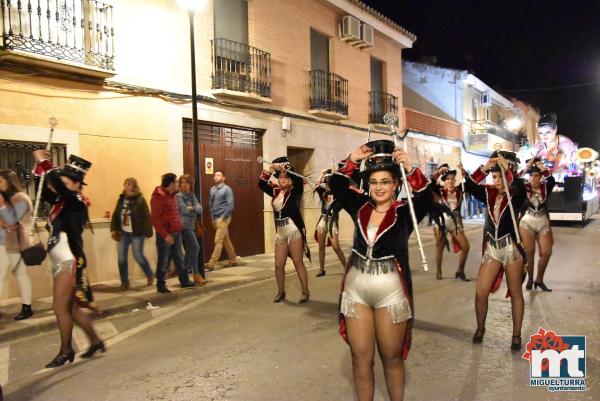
[156, 299]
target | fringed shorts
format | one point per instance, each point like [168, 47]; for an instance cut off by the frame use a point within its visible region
[323, 229]
[535, 222]
[451, 226]
[287, 231]
[60, 255]
[503, 251]
[377, 286]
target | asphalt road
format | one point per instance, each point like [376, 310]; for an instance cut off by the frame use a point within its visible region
[237, 345]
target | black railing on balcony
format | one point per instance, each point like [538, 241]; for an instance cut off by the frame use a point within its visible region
[240, 68]
[79, 31]
[328, 92]
[381, 103]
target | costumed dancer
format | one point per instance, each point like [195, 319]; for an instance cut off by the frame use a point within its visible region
[66, 221]
[534, 225]
[376, 301]
[437, 184]
[501, 251]
[290, 239]
[451, 196]
[327, 231]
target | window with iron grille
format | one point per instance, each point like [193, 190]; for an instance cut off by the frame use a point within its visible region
[18, 156]
[222, 135]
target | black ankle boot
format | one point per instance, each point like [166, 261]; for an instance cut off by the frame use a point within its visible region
[61, 359]
[92, 350]
[26, 312]
[478, 336]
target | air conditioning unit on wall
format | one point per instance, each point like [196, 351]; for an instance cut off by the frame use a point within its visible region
[367, 36]
[350, 29]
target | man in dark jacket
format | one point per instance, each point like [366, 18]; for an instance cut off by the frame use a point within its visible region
[165, 219]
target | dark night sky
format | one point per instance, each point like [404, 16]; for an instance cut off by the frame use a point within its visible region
[516, 45]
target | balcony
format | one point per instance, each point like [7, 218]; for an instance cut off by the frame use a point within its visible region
[484, 134]
[73, 36]
[240, 71]
[328, 95]
[381, 103]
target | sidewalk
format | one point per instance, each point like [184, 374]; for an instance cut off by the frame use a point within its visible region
[112, 301]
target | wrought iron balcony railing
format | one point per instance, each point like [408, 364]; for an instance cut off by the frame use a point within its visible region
[240, 68]
[79, 31]
[328, 92]
[381, 103]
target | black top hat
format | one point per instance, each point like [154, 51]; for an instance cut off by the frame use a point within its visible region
[382, 158]
[534, 169]
[550, 119]
[76, 168]
[447, 174]
[282, 160]
[510, 157]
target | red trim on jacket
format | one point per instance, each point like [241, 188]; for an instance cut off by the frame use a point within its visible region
[417, 180]
[41, 167]
[457, 192]
[349, 167]
[478, 175]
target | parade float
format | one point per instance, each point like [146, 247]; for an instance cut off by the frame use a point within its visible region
[576, 171]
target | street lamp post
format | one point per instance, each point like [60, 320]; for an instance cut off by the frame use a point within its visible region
[197, 179]
[192, 6]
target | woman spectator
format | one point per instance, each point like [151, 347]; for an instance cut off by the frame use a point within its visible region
[130, 225]
[15, 221]
[189, 210]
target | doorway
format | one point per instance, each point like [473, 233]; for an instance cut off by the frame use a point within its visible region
[234, 150]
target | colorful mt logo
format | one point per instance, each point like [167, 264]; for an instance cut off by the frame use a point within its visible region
[556, 362]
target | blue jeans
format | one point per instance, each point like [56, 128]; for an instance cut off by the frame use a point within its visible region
[176, 252]
[192, 253]
[138, 253]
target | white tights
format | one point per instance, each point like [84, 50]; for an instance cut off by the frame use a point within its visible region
[8, 262]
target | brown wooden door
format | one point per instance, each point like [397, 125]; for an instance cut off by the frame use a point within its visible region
[233, 150]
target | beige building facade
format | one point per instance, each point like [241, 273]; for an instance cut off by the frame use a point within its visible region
[294, 78]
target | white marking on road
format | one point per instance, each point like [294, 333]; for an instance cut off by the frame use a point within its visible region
[4, 364]
[159, 319]
[240, 271]
[162, 310]
[226, 279]
[34, 321]
[103, 329]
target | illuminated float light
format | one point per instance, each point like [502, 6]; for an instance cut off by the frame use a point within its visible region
[589, 195]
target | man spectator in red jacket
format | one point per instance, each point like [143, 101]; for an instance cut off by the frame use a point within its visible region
[165, 219]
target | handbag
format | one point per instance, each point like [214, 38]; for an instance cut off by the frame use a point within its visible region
[35, 254]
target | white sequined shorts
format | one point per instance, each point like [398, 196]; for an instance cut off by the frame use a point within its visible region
[535, 223]
[287, 232]
[504, 253]
[322, 227]
[60, 255]
[379, 290]
[451, 226]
